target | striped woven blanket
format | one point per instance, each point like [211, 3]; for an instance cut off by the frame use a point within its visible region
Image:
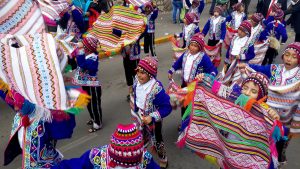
[51, 10]
[212, 115]
[286, 100]
[33, 70]
[138, 2]
[230, 32]
[118, 28]
[260, 50]
[20, 17]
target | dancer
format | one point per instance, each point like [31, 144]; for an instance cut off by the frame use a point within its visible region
[150, 104]
[86, 76]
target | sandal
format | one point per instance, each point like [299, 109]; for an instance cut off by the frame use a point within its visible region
[90, 122]
[92, 129]
[95, 128]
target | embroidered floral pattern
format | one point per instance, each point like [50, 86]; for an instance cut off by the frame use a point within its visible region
[276, 75]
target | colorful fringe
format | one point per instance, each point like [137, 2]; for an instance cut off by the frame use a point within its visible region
[118, 28]
[210, 115]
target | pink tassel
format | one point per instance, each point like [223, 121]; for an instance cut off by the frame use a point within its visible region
[216, 86]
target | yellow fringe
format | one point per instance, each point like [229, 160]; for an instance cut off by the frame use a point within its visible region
[83, 100]
[211, 159]
[3, 86]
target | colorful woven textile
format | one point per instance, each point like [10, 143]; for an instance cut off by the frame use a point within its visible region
[214, 52]
[212, 115]
[286, 100]
[118, 28]
[260, 50]
[34, 71]
[20, 17]
[230, 32]
[51, 10]
[138, 2]
[178, 51]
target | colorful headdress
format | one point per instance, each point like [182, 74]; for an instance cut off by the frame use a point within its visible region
[190, 17]
[149, 64]
[237, 6]
[246, 27]
[261, 80]
[196, 2]
[149, 6]
[279, 14]
[257, 17]
[126, 147]
[199, 39]
[296, 47]
[90, 44]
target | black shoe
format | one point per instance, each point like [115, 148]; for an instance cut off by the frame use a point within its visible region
[128, 98]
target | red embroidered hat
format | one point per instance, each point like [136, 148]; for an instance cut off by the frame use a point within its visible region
[190, 17]
[149, 64]
[246, 27]
[126, 146]
[237, 6]
[90, 44]
[149, 6]
[219, 9]
[199, 40]
[279, 14]
[261, 80]
[196, 2]
[296, 47]
[257, 17]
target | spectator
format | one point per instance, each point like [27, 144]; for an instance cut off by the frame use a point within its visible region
[177, 6]
[294, 10]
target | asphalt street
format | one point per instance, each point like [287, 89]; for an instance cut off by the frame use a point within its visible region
[116, 110]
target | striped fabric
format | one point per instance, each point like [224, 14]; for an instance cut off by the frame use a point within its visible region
[214, 52]
[34, 71]
[286, 100]
[260, 50]
[138, 2]
[51, 10]
[129, 22]
[20, 17]
[230, 32]
[212, 115]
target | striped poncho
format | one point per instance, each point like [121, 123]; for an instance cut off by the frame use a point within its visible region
[20, 17]
[118, 28]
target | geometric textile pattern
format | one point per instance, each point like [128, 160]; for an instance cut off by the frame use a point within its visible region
[211, 116]
[20, 17]
[33, 70]
[128, 23]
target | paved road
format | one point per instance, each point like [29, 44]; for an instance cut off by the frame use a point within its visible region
[116, 110]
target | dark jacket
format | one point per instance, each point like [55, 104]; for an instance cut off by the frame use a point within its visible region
[295, 15]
